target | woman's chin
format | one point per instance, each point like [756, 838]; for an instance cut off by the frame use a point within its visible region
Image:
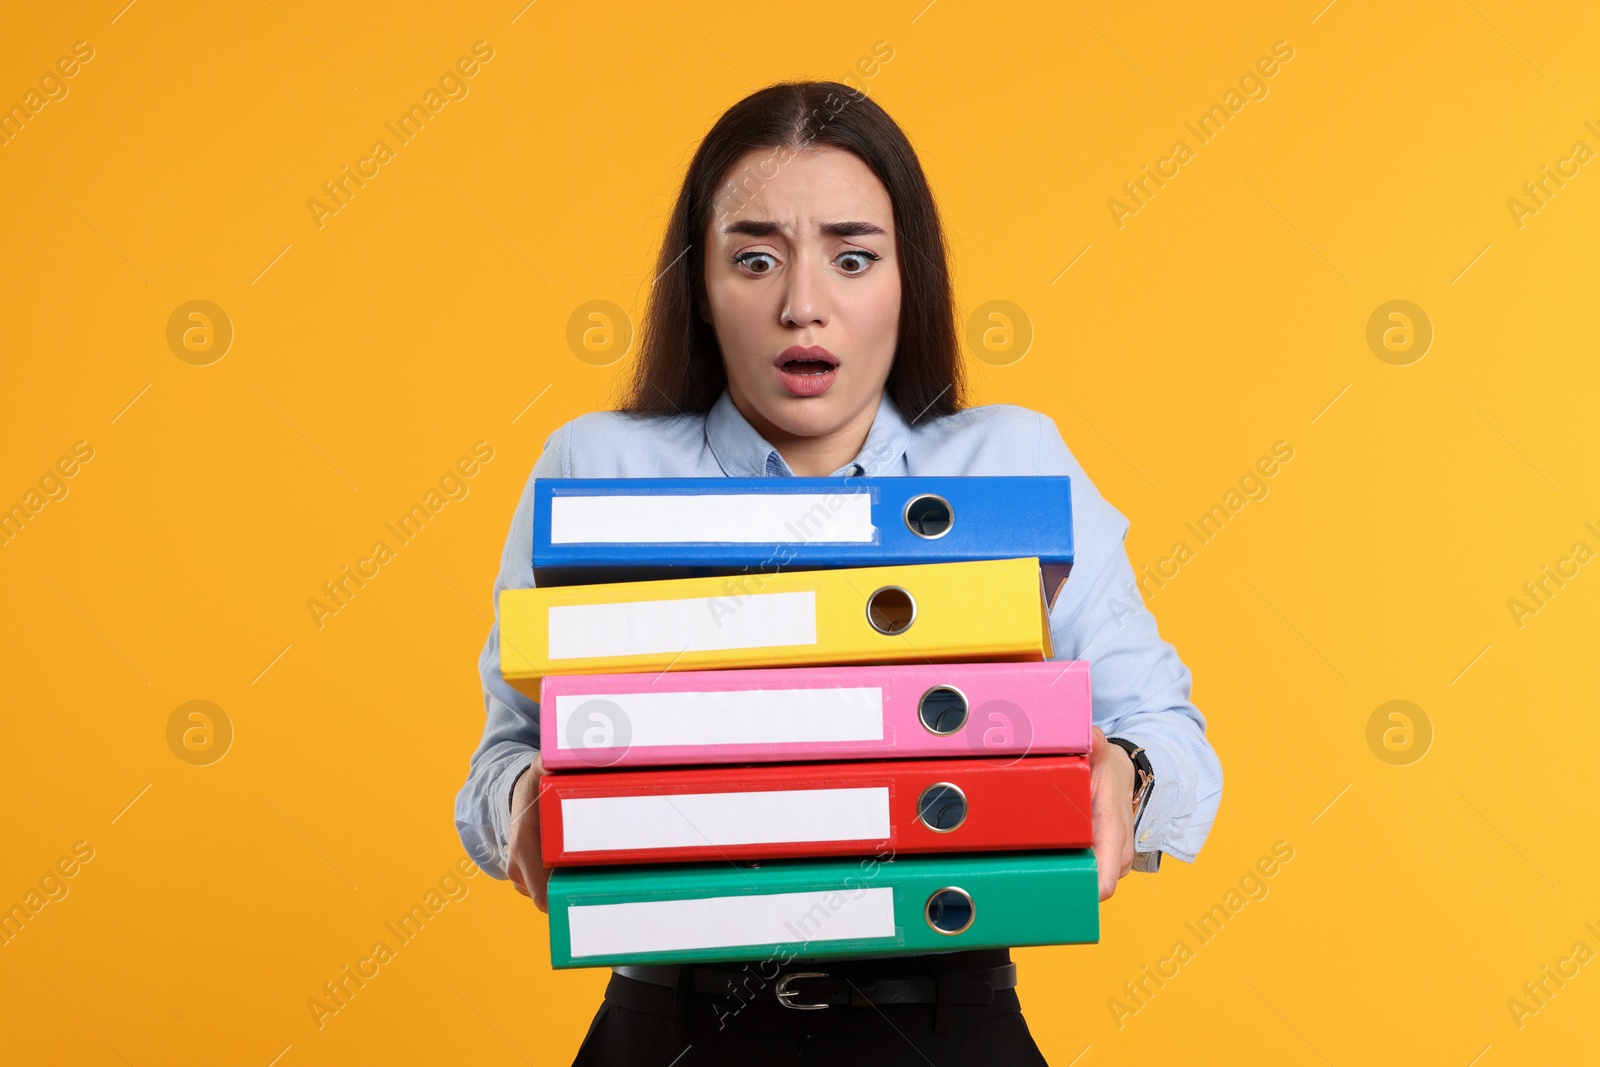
[814, 416]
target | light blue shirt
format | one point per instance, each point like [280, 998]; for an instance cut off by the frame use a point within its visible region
[1140, 687]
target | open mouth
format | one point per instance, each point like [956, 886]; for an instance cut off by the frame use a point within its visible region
[807, 367]
[806, 371]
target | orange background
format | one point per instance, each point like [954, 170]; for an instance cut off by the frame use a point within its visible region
[370, 353]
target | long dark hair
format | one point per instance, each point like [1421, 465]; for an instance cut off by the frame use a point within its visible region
[679, 366]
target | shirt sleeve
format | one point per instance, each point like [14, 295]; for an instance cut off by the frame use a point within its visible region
[1140, 687]
[511, 729]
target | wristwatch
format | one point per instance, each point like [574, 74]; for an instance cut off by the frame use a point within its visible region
[1144, 782]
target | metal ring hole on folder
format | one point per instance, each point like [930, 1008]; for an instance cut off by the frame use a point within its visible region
[950, 910]
[943, 709]
[942, 807]
[891, 610]
[929, 516]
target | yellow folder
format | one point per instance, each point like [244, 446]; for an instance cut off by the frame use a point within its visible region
[949, 612]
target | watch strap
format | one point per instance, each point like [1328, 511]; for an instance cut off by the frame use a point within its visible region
[1144, 776]
[1144, 783]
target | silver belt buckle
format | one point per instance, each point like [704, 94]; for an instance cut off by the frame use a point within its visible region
[783, 992]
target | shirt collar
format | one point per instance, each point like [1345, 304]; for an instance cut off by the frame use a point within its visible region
[744, 453]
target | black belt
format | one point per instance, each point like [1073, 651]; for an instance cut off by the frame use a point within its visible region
[807, 990]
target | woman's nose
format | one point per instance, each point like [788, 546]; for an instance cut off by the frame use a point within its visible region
[805, 297]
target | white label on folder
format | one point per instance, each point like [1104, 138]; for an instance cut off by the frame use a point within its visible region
[715, 922]
[697, 624]
[715, 719]
[756, 816]
[746, 518]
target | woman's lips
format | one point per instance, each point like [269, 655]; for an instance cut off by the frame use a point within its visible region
[806, 371]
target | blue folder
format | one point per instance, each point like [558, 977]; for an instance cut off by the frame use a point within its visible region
[597, 530]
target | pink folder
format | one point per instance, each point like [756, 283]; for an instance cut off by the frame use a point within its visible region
[900, 711]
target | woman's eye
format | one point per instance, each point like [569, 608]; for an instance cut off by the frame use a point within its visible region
[756, 262]
[856, 262]
[852, 263]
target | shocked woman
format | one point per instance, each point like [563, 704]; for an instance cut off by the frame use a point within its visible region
[802, 324]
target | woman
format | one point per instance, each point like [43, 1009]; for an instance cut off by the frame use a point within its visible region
[802, 324]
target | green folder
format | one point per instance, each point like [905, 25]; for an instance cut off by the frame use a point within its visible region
[821, 908]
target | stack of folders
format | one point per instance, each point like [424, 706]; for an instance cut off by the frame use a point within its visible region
[804, 716]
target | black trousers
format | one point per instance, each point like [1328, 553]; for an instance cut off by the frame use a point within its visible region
[654, 1026]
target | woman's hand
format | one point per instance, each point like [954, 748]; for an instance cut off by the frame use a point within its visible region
[526, 867]
[1111, 807]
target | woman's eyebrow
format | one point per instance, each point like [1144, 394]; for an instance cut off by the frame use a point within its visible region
[766, 228]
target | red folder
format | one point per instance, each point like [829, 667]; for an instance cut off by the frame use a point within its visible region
[767, 811]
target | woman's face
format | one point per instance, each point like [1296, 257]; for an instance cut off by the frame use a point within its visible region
[802, 285]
